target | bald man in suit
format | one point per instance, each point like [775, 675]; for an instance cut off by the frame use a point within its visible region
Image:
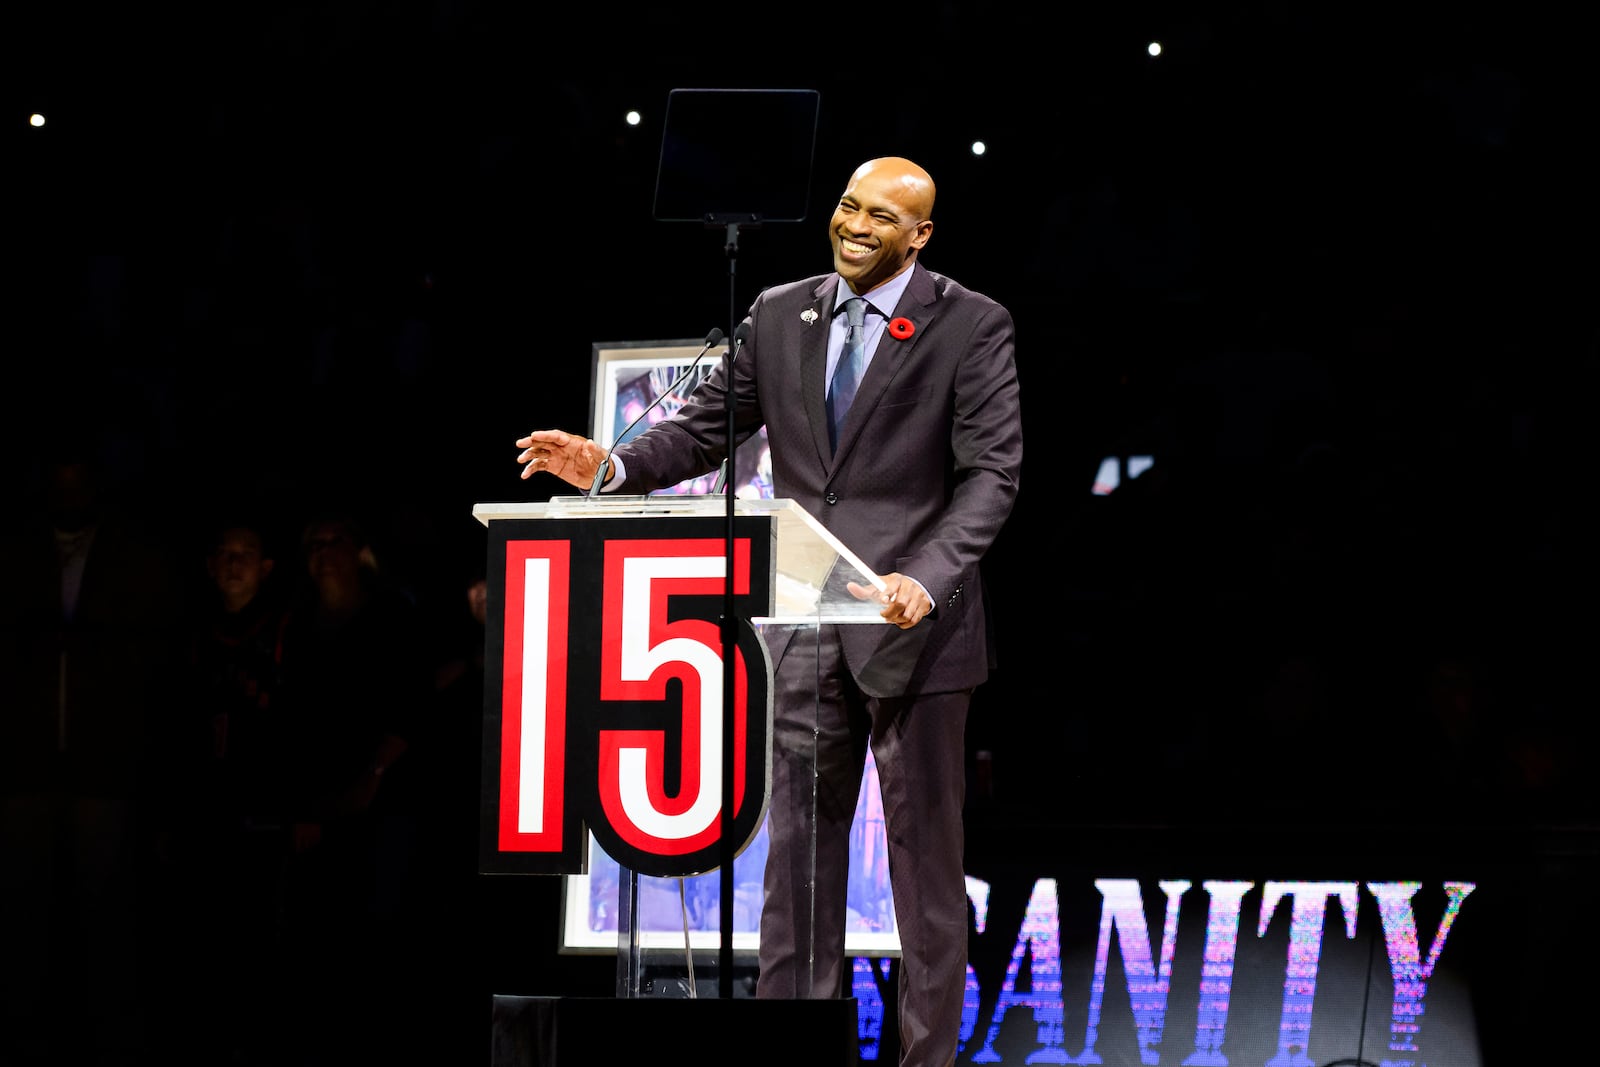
[921, 480]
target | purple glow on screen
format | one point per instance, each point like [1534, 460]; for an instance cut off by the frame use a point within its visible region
[1305, 951]
[1411, 975]
[1216, 973]
[1132, 1028]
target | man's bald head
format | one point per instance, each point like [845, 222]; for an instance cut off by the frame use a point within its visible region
[884, 217]
[916, 182]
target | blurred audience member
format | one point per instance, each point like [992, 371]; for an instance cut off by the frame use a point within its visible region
[440, 780]
[89, 639]
[231, 835]
[355, 678]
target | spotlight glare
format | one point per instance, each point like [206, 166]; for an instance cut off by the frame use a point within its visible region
[634, 118]
[1154, 48]
[979, 148]
[35, 119]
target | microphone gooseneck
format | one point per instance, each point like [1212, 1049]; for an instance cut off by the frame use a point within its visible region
[712, 340]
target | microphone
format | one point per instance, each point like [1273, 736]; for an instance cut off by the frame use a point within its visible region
[713, 339]
[741, 334]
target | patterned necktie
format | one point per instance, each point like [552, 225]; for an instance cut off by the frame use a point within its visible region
[848, 373]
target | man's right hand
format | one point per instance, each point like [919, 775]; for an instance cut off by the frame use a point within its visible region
[569, 457]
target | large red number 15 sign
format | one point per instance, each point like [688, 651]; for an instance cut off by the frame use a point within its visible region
[610, 710]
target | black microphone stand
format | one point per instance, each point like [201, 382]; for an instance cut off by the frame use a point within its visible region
[730, 631]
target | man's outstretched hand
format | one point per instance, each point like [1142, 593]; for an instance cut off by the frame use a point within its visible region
[569, 457]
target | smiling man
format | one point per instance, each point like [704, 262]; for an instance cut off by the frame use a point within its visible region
[912, 456]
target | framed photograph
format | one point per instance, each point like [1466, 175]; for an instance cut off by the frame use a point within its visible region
[635, 384]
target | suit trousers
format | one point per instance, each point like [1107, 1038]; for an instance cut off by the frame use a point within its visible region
[822, 725]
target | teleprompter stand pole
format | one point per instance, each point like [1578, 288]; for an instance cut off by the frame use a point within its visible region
[730, 621]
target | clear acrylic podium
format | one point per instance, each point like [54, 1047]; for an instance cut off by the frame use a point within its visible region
[811, 565]
[807, 569]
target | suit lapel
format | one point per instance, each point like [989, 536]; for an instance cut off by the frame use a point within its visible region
[814, 363]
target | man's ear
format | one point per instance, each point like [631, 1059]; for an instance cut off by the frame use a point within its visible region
[266, 567]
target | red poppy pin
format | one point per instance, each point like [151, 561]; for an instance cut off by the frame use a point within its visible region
[901, 328]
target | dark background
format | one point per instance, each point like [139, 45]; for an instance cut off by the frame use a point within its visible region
[1331, 266]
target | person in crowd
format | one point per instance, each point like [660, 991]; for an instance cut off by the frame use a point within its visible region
[230, 830]
[354, 680]
[89, 639]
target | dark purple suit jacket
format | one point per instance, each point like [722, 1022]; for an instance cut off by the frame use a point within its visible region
[927, 470]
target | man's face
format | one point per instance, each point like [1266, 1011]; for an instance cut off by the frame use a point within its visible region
[237, 564]
[881, 220]
[332, 553]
